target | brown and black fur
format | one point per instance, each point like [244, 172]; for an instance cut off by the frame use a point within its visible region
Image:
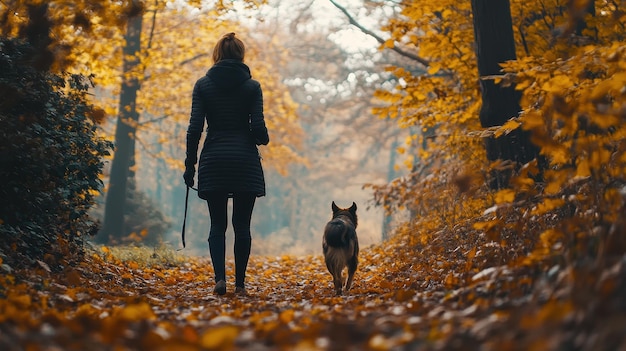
[341, 246]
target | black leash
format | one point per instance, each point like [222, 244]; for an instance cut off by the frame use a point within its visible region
[185, 217]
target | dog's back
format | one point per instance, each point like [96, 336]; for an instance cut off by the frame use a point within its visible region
[341, 245]
[339, 232]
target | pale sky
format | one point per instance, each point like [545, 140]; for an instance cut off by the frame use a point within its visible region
[350, 38]
[325, 15]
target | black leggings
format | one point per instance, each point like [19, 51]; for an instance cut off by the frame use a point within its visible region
[243, 204]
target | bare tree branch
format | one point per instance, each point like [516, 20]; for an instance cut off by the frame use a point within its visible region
[154, 15]
[153, 120]
[378, 38]
[303, 11]
[184, 62]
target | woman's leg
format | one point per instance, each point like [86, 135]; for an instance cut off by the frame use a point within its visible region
[243, 204]
[217, 203]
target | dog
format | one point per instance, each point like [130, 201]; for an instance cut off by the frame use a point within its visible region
[341, 246]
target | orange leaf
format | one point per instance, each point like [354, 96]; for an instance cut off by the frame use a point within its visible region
[190, 334]
[470, 258]
[286, 316]
[548, 205]
[404, 295]
[137, 312]
[20, 301]
[505, 195]
[221, 338]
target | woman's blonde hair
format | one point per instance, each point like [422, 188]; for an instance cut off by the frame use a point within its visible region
[229, 47]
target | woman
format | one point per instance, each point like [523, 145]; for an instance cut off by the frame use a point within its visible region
[231, 103]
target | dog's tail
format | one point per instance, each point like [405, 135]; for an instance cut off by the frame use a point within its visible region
[338, 233]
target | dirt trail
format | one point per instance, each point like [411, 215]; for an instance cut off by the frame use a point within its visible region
[103, 304]
[403, 298]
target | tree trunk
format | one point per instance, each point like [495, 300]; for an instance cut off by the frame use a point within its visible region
[391, 175]
[581, 25]
[113, 226]
[493, 35]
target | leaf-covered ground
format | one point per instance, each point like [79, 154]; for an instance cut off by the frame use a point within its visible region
[444, 294]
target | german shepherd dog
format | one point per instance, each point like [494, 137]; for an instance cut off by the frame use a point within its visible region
[341, 246]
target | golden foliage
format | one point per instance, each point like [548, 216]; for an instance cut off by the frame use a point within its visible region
[175, 52]
[573, 105]
[445, 97]
[536, 266]
[563, 214]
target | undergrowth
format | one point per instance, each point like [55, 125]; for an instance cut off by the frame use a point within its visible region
[140, 255]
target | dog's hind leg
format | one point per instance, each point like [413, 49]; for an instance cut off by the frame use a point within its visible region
[336, 273]
[352, 265]
[338, 281]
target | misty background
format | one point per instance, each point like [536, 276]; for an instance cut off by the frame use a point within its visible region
[332, 73]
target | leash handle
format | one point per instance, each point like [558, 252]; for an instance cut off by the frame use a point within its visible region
[185, 217]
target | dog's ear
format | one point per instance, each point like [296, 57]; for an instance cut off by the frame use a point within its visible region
[334, 207]
[353, 207]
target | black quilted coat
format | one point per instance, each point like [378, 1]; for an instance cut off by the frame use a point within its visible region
[231, 103]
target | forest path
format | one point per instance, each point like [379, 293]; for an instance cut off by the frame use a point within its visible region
[104, 303]
[290, 303]
[405, 296]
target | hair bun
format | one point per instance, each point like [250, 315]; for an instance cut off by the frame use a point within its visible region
[230, 35]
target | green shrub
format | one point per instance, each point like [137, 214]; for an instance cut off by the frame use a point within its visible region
[50, 156]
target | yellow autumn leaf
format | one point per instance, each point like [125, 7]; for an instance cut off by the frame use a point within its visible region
[599, 157]
[419, 95]
[220, 338]
[507, 127]
[533, 120]
[558, 153]
[434, 68]
[385, 284]
[555, 180]
[404, 295]
[523, 84]
[523, 182]
[505, 196]
[189, 333]
[549, 237]
[137, 312]
[548, 205]
[582, 168]
[614, 83]
[71, 292]
[389, 43]
[170, 280]
[87, 309]
[470, 258]
[487, 225]
[471, 253]
[286, 316]
[604, 120]
[558, 84]
[408, 163]
[20, 301]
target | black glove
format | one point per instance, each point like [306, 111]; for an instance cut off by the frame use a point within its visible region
[190, 172]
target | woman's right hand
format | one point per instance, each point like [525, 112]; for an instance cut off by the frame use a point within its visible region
[190, 172]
